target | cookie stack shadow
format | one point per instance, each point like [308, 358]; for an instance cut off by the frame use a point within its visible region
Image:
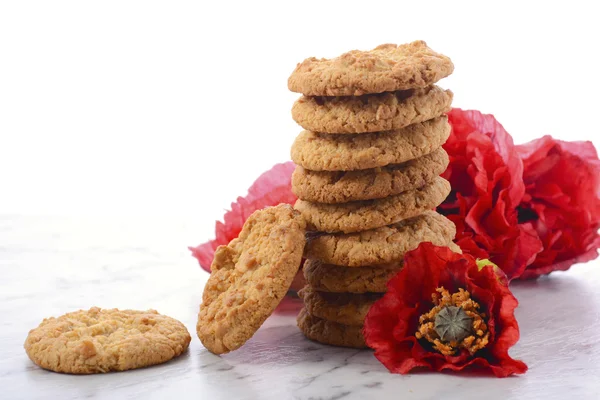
[367, 177]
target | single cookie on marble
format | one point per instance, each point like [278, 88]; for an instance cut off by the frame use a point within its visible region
[341, 279]
[386, 68]
[326, 152]
[344, 186]
[363, 215]
[371, 113]
[382, 245]
[249, 277]
[103, 340]
[343, 308]
[328, 332]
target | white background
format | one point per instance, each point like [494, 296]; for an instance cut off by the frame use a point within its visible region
[165, 108]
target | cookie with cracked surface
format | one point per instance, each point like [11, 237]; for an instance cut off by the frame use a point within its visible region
[103, 340]
[363, 215]
[328, 332]
[341, 187]
[341, 279]
[382, 245]
[326, 152]
[386, 68]
[343, 308]
[249, 277]
[371, 113]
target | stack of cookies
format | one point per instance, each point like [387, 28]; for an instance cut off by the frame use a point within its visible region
[367, 176]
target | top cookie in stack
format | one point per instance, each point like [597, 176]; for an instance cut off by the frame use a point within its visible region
[374, 123]
[367, 175]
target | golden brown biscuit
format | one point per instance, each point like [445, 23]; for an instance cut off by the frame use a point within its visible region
[386, 68]
[382, 245]
[328, 332]
[363, 215]
[249, 277]
[341, 279]
[343, 308]
[325, 152]
[371, 113]
[103, 340]
[344, 186]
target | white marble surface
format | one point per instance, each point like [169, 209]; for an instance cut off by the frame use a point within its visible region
[50, 266]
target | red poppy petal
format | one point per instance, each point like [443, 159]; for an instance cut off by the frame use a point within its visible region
[503, 144]
[485, 172]
[562, 202]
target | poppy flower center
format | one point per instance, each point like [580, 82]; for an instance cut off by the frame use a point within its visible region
[454, 323]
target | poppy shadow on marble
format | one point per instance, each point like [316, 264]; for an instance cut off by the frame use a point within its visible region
[290, 305]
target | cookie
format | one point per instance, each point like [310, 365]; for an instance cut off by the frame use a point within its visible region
[333, 187]
[371, 113]
[386, 68]
[325, 152]
[339, 279]
[343, 308]
[344, 186]
[249, 277]
[382, 245]
[370, 214]
[103, 340]
[327, 332]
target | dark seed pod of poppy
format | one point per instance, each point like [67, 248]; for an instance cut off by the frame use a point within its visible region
[453, 324]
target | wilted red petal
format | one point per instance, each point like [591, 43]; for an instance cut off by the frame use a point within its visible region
[485, 172]
[271, 188]
[392, 321]
[562, 202]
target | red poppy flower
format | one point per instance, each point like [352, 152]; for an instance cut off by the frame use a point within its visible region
[561, 202]
[403, 328]
[485, 172]
[271, 188]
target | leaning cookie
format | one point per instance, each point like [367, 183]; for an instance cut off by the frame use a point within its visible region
[325, 152]
[103, 340]
[249, 277]
[328, 332]
[371, 113]
[382, 245]
[370, 214]
[343, 308]
[386, 68]
[341, 187]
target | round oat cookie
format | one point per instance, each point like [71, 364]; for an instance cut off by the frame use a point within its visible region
[363, 215]
[328, 332]
[343, 308]
[386, 68]
[326, 152]
[249, 277]
[382, 245]
[103, 340]
[340, 279]
[371, 113]
[344, 186]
